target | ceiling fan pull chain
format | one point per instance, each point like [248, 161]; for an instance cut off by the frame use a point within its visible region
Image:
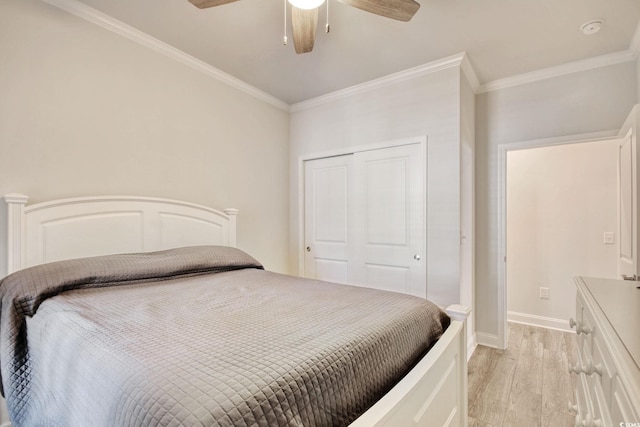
[328, 27]
[284, 38]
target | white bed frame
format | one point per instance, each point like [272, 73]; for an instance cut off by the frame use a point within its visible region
[432, 394]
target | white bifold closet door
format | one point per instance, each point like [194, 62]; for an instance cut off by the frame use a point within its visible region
[365, 219]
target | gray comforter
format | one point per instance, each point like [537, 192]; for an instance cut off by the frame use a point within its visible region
[200, 336]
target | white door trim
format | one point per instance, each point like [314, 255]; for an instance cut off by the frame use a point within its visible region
[422, 140]
[503, 149]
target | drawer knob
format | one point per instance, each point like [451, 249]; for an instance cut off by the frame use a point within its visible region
[584, 330]
[580, 328]
[588, 421]
[588, 369]
[597, 369]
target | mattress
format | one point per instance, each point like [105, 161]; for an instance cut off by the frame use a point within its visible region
[200, 336]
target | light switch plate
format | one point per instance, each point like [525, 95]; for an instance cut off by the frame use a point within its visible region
[544, 293]
[609, 238]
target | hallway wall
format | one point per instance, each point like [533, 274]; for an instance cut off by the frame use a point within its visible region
[560, 201]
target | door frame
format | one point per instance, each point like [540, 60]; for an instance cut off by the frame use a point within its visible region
[422, 140]
[500, 340]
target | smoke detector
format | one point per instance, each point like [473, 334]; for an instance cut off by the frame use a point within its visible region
[592, 27]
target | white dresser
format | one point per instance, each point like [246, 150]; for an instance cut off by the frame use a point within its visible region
[607, 372]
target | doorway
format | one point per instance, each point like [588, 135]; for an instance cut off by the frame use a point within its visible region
[503, 150]
[561, 222]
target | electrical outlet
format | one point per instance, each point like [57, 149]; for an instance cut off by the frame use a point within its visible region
[544, 293]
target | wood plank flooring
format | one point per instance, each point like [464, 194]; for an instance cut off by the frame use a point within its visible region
[528, 384]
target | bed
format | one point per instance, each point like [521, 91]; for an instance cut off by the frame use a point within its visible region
[141, 311]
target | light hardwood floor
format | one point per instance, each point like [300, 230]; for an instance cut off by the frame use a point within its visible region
[528, 384]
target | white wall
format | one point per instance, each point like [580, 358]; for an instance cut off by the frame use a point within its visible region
[589, 101]
[467, 201]
[85, 111]
[560, 201]
[427, 105]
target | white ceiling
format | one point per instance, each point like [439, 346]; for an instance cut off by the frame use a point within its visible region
[501, 37]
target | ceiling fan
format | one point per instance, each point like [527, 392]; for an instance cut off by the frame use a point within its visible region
[304, 15]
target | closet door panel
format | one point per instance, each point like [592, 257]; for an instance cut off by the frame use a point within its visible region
[327, 210]
[388, 278]
[390, 245]
[387, 201]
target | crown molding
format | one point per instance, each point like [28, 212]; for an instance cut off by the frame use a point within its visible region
[557, 71]
[629, 55]
[461, 60]
[408, 74]
[107, 22]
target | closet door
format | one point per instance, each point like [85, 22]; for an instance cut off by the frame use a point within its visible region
[328, 195]
[365, 219]
[390, 243]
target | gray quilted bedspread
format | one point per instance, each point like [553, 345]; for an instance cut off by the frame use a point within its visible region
[200, 336]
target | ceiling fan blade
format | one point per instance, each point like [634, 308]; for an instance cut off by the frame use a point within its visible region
[401, 10]
[203, 4]
[303, 25]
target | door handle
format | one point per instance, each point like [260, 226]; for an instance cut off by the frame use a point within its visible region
[417, 257]
[308, 248]
[625, 277]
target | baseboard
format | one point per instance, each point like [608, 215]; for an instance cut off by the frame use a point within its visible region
[472, 344]
[488, 340]
[539, 321]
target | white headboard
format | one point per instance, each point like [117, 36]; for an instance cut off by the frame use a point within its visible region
[92, 226]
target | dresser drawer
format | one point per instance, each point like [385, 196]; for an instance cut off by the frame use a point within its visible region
[587, 332]
[621, 409]
[606, 312]
[583, 327]
[603, 361]
[582, 396]
[592, 403]
[599, 406]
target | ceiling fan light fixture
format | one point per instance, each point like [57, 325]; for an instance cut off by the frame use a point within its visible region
[306, 4]
[304, 15]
